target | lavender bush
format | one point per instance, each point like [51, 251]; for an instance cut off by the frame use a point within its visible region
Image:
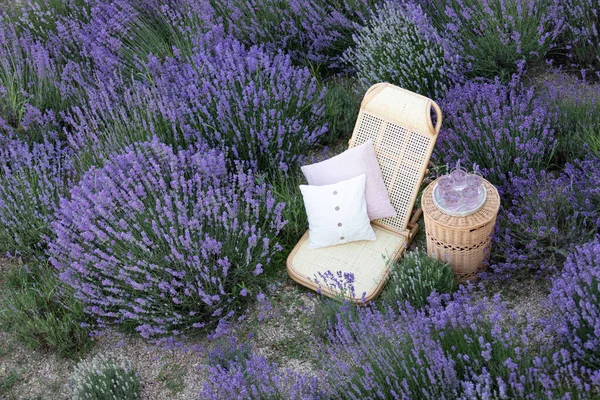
[311, 32]
[539, 226]
[498, 355]
[256, 105]
[536, 230]
[498, 36]
[377, 356]
[257, 378]
[29, 97]
[504, 129]
[31, 183]
[460, 347]
[165, 243]
[263, 110]
[475, 334]
[578, 115]
[575, 295]
[102, 37]
[415, 277]
[399, 45]
[104, 377]
[546, 216]
[79, 38]
[585, 195]
[581, 36]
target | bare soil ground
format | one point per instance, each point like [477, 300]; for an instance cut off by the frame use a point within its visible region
[282, 335]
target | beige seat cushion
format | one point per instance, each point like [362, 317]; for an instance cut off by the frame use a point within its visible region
[368, 261]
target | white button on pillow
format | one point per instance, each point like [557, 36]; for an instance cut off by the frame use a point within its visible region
[337, 213]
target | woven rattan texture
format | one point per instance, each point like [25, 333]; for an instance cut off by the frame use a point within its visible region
[367, 260]
[403, 147]
[464, 242]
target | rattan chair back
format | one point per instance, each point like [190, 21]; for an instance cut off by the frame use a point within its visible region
[400, 125]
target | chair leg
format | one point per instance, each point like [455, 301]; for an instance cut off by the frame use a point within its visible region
[413, 224]
[416, 215]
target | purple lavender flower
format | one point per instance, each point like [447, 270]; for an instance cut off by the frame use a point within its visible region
[575, 295]
[380, 355]
[581, 36]
[399, 45]
[498, 37]
[256, 105]
[504, 129]
[32, 180]
[256, 378]
[158, 240]
[461, 346]
[315, 32]
[545, 216]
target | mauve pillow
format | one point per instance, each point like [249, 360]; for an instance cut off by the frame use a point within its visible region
[351, 163]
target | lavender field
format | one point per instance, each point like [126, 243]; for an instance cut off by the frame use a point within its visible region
[150, 158]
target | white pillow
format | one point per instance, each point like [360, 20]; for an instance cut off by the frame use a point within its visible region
[337, 213]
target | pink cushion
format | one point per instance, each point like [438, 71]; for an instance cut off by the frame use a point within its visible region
[351, 163]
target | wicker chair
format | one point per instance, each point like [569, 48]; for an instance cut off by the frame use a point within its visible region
[399, 123]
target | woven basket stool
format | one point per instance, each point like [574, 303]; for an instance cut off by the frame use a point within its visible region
[464, 242]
